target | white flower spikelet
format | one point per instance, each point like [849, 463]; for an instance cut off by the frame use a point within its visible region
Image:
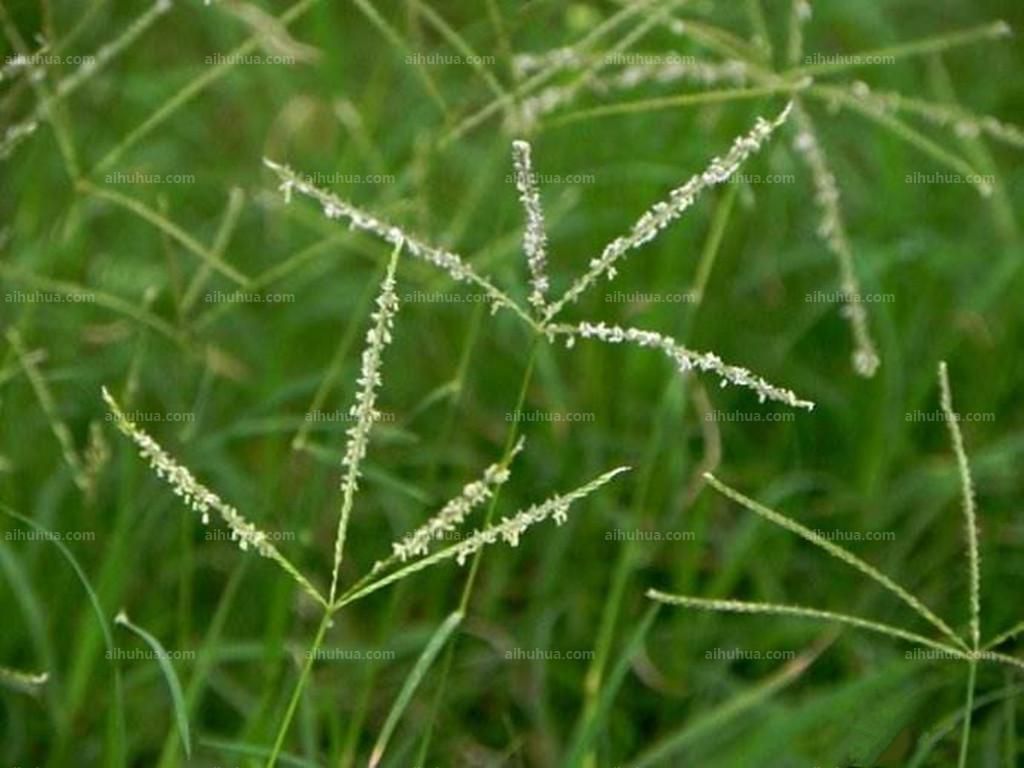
[535, 240]
[455, 511]
[195, 495]
[833, 233]
[201, 499]
[685, 359]
[659, 216]
[364, 409]
[510, 529]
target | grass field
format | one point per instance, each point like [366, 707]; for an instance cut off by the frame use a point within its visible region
[165, 172]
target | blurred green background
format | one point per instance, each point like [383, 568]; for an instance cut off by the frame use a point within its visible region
[245, 375]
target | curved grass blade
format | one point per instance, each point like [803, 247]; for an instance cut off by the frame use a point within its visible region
[412, 682]
[162, 658]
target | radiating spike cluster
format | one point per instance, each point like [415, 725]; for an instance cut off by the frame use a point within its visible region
[685, 359]
[833, 233]
[510, 529]
[196, 495]
[663, 213]
[535, 239]
[336, 208]
[455, 512]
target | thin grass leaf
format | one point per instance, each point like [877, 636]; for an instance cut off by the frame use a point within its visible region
[97, 609]
[839, 553]
[659, 216]
[412, 682]
[970, 514]
[57, 426]
[673, 102]
[364, 410]
[201, 499]
[168, 227]
[587, 730]
[92, 296]
[170, 676]
[685, 359]
[724, 713]
[197, 86]
[936, 44]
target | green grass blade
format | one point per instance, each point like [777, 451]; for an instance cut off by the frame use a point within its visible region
[163, 659]
[412, 682]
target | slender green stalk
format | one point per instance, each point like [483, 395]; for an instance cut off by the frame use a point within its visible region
[965, 733]
[887, 55]
[311, 654]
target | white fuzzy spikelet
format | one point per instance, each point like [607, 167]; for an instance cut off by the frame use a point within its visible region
[510, 529]
[454, 513]
[686, 360]
[196, 495]
[833, 233]
[364, 410]
[664, 213]
[535, 240]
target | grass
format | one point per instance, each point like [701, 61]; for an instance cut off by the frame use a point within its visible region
[143, 248]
